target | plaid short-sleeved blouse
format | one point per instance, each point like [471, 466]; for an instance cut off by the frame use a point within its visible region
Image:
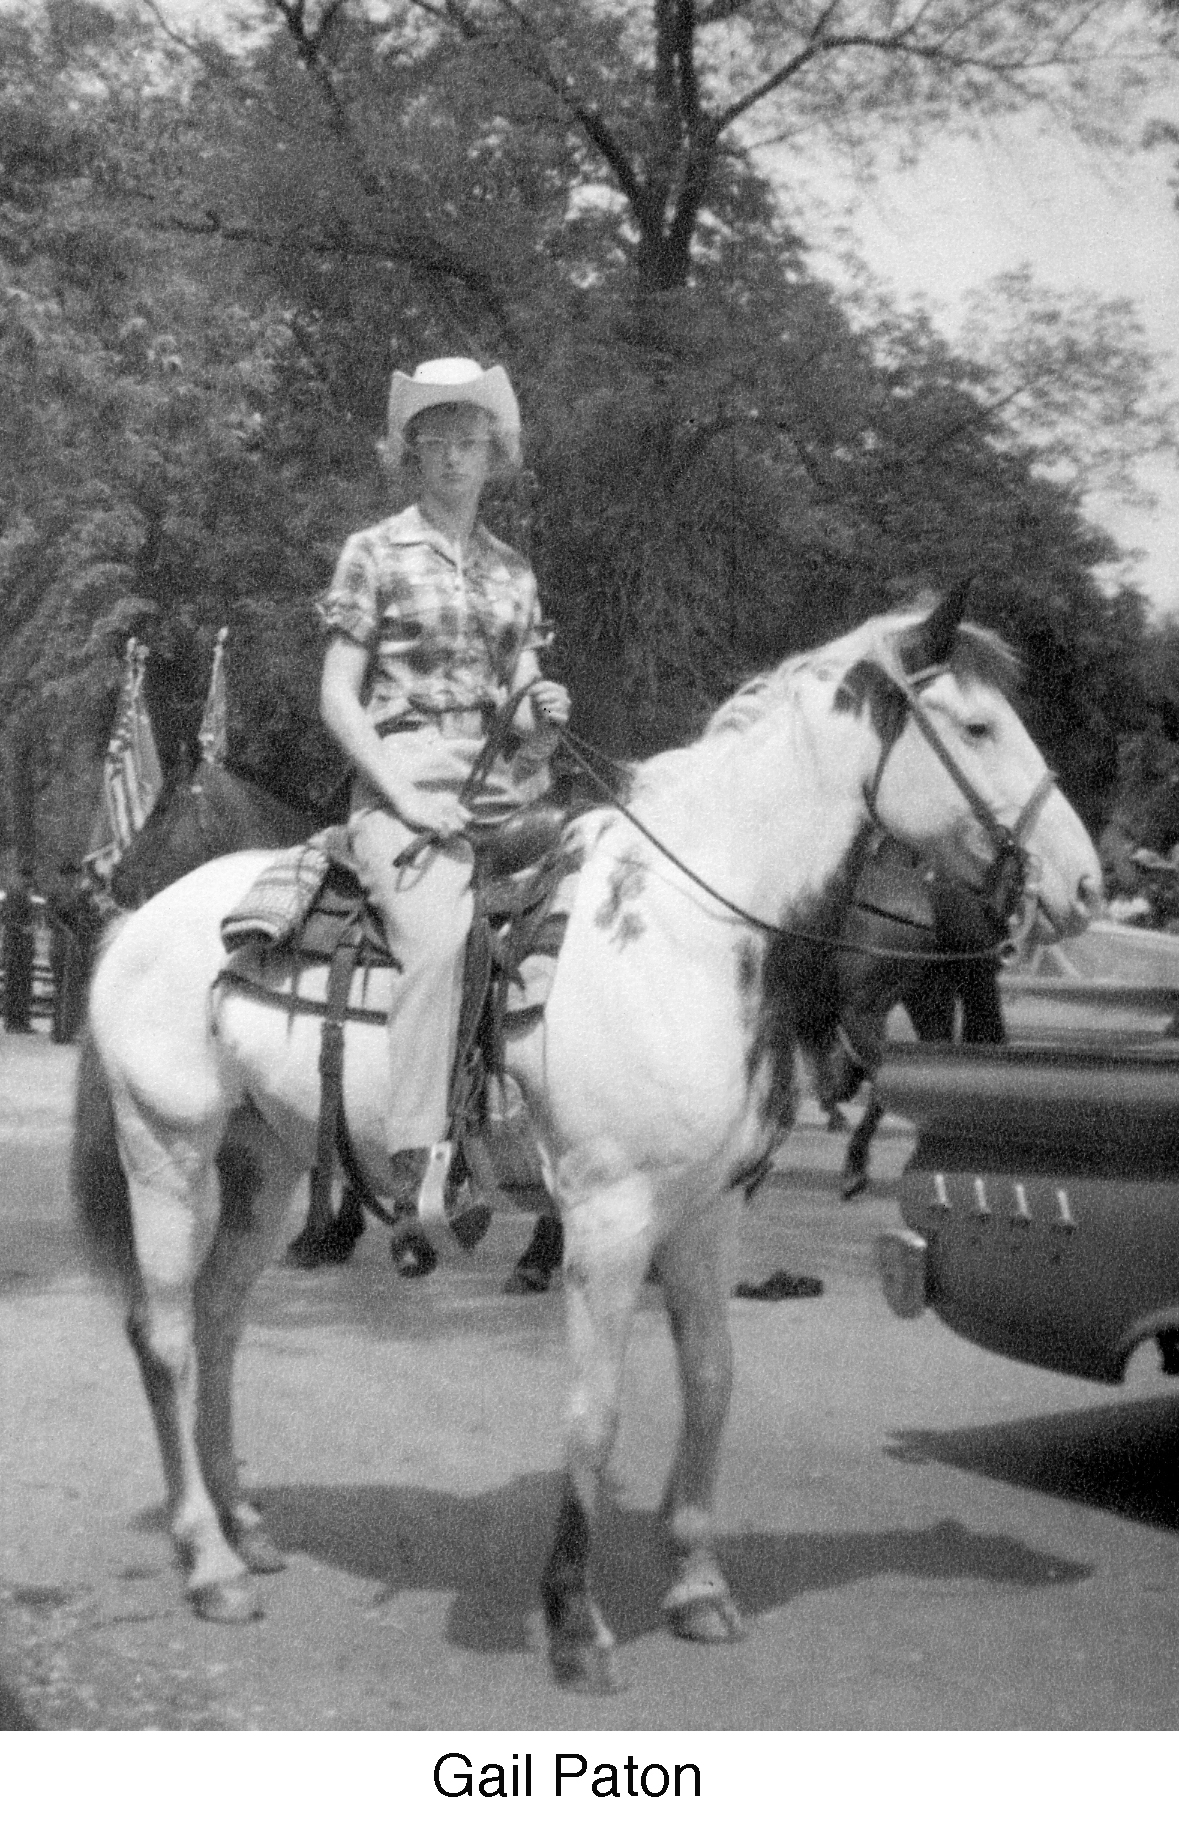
[445, 633]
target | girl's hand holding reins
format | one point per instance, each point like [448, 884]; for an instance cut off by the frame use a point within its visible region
[440, 816]
[550, 701]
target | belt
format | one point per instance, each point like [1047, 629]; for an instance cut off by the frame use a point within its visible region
[452, 723]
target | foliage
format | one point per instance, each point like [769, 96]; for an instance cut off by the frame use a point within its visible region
[209, 260]
[664, 96]
[1071, 376]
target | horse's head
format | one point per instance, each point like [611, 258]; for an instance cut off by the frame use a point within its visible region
[960, 777]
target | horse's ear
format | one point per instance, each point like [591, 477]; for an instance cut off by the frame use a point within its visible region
[941, 627]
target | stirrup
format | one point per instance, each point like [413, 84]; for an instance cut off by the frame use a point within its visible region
[431, 1196]
[435, 1215]
[414, 1254]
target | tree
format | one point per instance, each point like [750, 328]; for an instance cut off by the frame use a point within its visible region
[211, 260]
[133, 495]
[1070, 375]
[662, 98]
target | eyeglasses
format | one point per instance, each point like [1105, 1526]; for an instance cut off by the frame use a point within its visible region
[459, 445]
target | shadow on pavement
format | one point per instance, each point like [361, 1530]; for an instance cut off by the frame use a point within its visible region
[489, 1550]
[13, 1717]
[1121, 1459]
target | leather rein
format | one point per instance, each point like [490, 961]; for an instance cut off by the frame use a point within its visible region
[1006, 875]
[1008, 868]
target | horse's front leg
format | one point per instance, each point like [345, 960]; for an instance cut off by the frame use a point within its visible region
[258, 1180]
[854, 1179]
[536, 1266]
[608, 1239]
[695, 1274]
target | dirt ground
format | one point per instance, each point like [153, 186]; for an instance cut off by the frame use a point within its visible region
[921, 1535]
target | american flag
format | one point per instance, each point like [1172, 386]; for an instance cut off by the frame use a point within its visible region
[131, 775]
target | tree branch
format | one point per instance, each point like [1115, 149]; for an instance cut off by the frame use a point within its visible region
[716, 12]
[685, 57]
[421, 251]
[890, 44]
[587, 117]
[170, 31]
[308, 49]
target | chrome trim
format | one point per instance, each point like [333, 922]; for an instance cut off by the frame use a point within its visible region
[900, 1260]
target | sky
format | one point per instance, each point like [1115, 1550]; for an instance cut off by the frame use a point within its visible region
[969, 211]
[1079, 220]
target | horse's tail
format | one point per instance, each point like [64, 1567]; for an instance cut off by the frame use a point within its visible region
[97, 1178]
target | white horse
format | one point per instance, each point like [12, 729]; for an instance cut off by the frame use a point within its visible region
[659, 1081]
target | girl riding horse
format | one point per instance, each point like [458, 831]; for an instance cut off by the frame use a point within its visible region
[434, 625]
[660, 1077]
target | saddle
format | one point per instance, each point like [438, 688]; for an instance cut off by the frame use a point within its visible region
[310, 908]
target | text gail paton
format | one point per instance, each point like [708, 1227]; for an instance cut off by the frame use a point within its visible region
[571, 1772]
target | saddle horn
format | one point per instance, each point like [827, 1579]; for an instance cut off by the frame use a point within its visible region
[941, 626]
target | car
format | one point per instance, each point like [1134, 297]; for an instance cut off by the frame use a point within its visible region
[1041, 1203]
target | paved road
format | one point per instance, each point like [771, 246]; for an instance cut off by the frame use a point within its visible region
[921, 1535]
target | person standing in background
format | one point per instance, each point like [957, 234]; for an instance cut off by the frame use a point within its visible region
[19, 940]
[74, 923]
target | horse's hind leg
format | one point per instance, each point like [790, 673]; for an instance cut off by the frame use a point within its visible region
[607, 1247]
[695, 1272]
[257, 1181]
[173, 1224]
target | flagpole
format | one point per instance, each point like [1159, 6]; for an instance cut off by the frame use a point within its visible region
[214, 734]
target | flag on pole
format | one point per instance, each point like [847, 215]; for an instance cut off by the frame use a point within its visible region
[131, 775]
[214, 734]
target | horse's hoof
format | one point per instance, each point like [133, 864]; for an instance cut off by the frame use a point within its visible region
[470, 1224]
[590, 1669]
[258, 1552]
[853, 1184]
[528, 1280]
[333, 1247]
[226, 1602]
[712, 1619]
[414, 1255]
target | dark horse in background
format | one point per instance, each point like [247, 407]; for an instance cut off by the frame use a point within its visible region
[917, 940]
[910, 939]
[202, 813]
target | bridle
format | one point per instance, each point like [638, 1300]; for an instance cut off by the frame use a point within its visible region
[1001, 890]
[1006, 877]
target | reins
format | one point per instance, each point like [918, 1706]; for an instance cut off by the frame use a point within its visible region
[581, 752]
[1007, 841]
[488, 753]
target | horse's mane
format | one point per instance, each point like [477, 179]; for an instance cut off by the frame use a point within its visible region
[978, 655]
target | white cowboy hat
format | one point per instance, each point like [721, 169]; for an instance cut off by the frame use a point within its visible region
[454, 382]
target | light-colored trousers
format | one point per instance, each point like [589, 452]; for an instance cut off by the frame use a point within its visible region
[426, 910]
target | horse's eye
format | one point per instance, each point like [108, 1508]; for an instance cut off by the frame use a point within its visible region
[978, 730]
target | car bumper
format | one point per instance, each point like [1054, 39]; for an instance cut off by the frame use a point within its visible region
[1043, 1197]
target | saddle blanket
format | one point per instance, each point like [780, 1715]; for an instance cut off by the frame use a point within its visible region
[278, 903]
[264, 928]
